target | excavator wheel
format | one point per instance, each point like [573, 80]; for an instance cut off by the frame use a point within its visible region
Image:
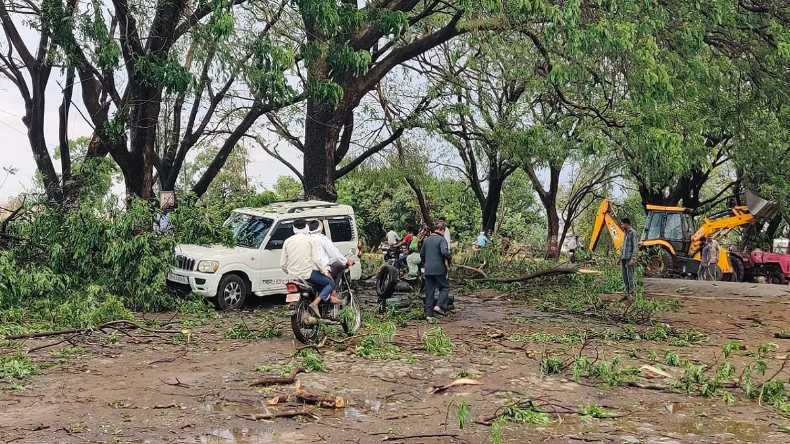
[659, 262]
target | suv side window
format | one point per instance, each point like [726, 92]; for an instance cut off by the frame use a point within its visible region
[341, 230]
[284, 231]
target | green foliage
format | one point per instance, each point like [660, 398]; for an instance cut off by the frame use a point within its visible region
[311, 360]
[527, 413]
[17, 366]
[551, 365]
[463, 411]
[163, 73]
[437, 343]
[377, 343]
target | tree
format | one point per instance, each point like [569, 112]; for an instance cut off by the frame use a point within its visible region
[483, 99]
[186, 72]
[347, 50]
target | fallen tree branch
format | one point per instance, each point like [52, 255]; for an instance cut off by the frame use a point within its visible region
[290, 414]
[41, 347]
[537, 274]
[456, 383]
[85, 330]
[472, 269]
[277, 380]
[320, 400]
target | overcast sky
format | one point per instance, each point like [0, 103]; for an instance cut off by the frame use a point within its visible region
[15, 149]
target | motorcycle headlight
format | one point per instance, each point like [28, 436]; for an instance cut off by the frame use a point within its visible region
[208, 266]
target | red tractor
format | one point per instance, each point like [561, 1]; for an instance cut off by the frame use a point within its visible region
[775, 267]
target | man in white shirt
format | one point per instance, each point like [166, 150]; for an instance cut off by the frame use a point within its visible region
[392, 237]
[301, 257]
[442, 224]
[331, 259]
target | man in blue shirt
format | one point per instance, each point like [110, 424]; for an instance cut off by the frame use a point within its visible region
[627, 259]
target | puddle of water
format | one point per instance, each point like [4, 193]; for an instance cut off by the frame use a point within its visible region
[352, 413]
[248, 436]
[374, 405]
[233, 407]
[236, 436]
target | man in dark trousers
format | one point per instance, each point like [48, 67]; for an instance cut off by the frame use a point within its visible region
[627, 259]
[435, 255]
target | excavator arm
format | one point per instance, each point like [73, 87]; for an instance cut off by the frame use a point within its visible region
[604, 219]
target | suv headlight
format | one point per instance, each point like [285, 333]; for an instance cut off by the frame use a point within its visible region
[208, 266]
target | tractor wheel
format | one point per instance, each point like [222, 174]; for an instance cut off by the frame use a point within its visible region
[659, 262]
[738, 270]
[776, 277]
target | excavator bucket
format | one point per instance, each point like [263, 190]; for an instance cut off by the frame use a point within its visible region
[759, 207]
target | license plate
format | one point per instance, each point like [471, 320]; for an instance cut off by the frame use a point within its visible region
[177, 278]
[292, 297]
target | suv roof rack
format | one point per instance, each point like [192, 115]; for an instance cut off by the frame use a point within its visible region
[312, 205]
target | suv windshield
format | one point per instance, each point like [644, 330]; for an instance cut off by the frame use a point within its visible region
[248, 230]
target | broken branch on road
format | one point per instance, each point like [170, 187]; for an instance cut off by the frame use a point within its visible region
[278, 380]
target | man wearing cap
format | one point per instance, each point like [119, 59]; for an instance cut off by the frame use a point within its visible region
[627, 259]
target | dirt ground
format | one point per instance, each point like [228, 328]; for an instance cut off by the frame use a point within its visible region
[109, 392]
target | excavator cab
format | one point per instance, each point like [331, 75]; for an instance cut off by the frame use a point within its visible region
[670, 227]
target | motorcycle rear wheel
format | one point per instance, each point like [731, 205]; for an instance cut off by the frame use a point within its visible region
[303, 332]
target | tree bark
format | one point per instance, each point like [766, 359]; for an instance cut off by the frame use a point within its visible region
[322, 132]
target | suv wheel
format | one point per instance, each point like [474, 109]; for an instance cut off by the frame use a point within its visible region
[231, 293]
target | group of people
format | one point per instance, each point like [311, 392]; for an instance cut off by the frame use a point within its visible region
[312, 256]
[434, 258]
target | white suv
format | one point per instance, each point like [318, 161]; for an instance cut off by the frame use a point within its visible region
[228, 275]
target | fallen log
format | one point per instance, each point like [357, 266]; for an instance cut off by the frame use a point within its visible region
[537, 274]
[782, 335]
[290, 414]
[320, 400]
[277, 380]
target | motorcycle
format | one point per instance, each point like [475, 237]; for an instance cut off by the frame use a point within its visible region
[391, 254]
[305, 324]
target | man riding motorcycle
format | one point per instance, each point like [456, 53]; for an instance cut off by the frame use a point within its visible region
[332, 260]
[301, 257]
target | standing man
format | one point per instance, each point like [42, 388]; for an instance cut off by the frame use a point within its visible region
[442, 224]
[702, 273]
[301, 258]
[627, 259]
[434, 254]
[573, 244]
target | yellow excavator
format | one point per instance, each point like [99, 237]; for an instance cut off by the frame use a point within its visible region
[671, 240]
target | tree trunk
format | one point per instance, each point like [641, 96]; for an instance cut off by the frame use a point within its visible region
[426, 213]
[322, 132]
[491, 205]
[549, 200]
[552, 233]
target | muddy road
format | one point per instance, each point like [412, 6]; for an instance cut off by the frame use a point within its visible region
[195, 387]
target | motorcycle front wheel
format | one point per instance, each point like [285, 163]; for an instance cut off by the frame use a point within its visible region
[304, 332]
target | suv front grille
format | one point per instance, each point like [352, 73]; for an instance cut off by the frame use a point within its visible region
[185, 263]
